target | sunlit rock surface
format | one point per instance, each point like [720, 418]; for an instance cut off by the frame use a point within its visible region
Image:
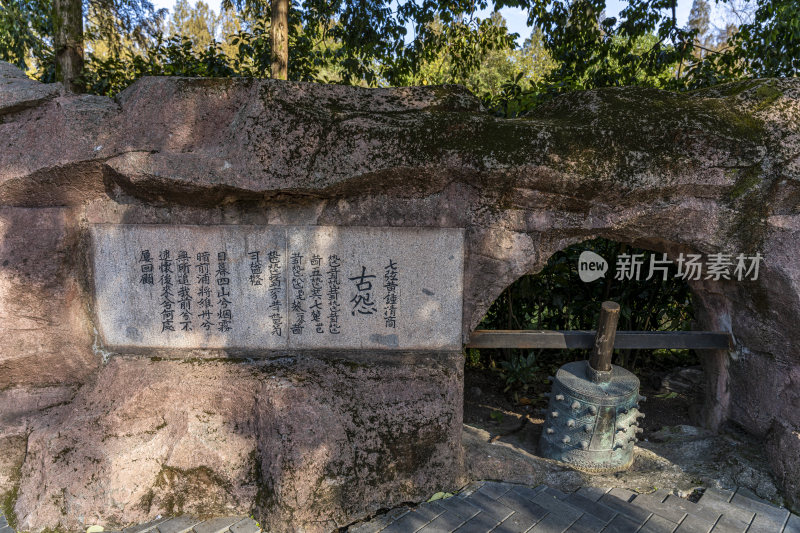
[319, 440]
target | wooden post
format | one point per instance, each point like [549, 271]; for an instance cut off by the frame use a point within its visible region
[600, 360]
[280, 39]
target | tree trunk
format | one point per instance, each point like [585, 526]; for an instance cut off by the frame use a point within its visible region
[280, 39]
[68, 42]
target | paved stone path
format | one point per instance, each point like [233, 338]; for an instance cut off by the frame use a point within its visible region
[488, 506]
[507, 508]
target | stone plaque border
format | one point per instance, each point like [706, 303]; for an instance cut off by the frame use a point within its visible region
[430, 287]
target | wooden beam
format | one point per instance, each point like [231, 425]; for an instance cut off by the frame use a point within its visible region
[584, 340]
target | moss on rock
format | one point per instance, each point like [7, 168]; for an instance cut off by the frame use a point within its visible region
[199, 491]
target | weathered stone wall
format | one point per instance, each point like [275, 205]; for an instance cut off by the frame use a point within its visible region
[300, 440]
[332, 437]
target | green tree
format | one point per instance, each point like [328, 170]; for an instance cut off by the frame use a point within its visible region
[700, 17]
[371, 41]
[770, 45]
[229, 24]
[533, 58]
[199, 23]
[644, 46]
[25, 36]
[491, 68]
[34, 32]
[597, 51]
[119, 25]
[700, 22]
[386, 42]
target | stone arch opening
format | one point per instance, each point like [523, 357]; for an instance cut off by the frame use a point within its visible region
[688, 388]
[712, 300]
[558, 298]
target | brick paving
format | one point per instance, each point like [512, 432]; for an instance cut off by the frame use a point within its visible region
[489, 506]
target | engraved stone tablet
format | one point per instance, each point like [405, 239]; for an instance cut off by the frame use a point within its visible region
[273, 287]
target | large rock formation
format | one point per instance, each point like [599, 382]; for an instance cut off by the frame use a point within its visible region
[318, 439]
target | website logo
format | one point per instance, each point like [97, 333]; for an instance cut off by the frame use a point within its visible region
[591, 266]
[690, 267]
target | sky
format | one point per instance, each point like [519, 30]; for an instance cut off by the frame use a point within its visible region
[516, 18]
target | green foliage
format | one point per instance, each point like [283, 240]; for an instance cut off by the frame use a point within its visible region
[115, 25]
[26, 31]
[769, 46]
[248, 54]
[474, 52]
[700, 17]
[477, 52]
[199, 23]
[497, 75]
[646, 47]
[472, 358]
[368, 43]
[25, 27]
[573, 45]
[7, 503]
[555, 298]
[519, 373]
[596, 51]
[174, 57]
